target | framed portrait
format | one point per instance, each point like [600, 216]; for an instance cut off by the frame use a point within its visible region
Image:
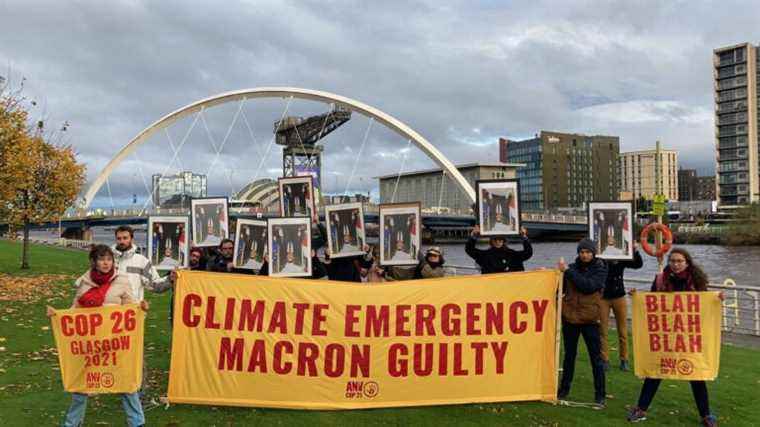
[168, 242]
[400, 230]
[290, 247]
[250, 243]
[498, 202]
[210, 221]
[297, 197]
[610, 226]
[345, 229]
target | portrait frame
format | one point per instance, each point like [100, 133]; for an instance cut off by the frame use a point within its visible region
[278, 245]
[181, 243]
[389, 238]
[487, 214]
[241, 252]
[221, 227]
[620, 228]
[335, 230]
[283, 183]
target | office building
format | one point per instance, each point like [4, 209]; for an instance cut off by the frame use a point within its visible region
[171, 191]
[705, 188]
[437, 192]
[639, 173]
[565, 170]
[735, 75]
[687, 184]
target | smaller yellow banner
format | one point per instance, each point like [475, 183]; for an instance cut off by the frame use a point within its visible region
[676, 335]
[100, 350]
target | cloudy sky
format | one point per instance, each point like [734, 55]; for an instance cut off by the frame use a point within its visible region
[460, 73]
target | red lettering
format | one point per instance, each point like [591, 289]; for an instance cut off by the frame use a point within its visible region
[652, 324]
[695, 343]
[402, 318]
[360, 360]
[300, 312]
[472, 318]
[423, 321]
[651, 302]
[479, 347]
[450, 326]
[350, 320]
[231, 357]
[420, 369]
[443, 358]
[278, 320]
[66, 327]
[515, 326]
[307, 358]
[318, 320]
[251, 317]
[694, 323]
[495, 318]
[654, 342]
[229, 313]
[278, 365]
[397, 367]
[539, 309]
[258, 357]
[500, 354]
[458, 369]
[210, 324]
[377, 324]
[692, 303]
[335, 359]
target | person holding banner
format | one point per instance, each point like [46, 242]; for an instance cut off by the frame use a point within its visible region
[680, 275]
[613, 298]
[100, 286]
[583, 284]
[498, 258]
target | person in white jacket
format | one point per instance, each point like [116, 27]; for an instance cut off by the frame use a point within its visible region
[138, 269]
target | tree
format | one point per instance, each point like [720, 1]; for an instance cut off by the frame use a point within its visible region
[38, 179]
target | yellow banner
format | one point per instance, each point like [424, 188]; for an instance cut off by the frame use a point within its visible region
[314, 344]
[676, 335]
[100, 350]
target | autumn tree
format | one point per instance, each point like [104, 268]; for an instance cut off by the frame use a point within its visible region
[38, 178]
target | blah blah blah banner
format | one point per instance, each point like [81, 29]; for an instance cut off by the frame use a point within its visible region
[100, 350]
[676, 335]
[292, 343]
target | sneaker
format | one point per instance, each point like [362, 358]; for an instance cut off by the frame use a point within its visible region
[637, 414]
[624, 366]
[606, 366]
[710, 421]
[600, 403]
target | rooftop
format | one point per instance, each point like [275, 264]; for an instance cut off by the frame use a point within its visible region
[459, 167]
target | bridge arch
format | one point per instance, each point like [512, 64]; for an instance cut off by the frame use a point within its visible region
[282, 92]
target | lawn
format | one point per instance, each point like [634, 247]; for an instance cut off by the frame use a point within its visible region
[31, 392]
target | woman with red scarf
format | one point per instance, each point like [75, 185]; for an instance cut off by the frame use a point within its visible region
[103, 285]
[681, 275]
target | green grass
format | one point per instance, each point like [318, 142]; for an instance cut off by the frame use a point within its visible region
[31, 392]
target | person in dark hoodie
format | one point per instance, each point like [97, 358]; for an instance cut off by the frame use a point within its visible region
[347, 269]
[582, 289]
[498, 258]
[613, 298]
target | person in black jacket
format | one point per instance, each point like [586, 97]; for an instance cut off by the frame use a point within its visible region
[582, 290]
[347, 269]
[224, 261]
[498, 258]
[613, 298]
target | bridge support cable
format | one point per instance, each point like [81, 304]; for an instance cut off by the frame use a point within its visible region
[440, 194]
[110, 196]
[148, 191]
[218, 150]
[274, 136]
[174, 150]
[176, 153]
[401, 169]
[361, 150]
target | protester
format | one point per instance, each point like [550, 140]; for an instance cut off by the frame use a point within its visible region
[103, 285]
[680, 275]
[197, 260]
[137, 268]
[224, 261]
[613, 298]
[583, 284]
[347, 269]
[499, 258]
[375, 273]
[431, 265]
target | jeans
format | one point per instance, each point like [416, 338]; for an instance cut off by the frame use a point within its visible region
[130, 401]
[570, 335]
[618, 306]
[698, 389]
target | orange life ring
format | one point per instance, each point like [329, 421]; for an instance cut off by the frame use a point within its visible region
[667, 237]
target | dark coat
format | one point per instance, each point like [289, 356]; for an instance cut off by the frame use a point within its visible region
[347, 269]
[493, 260]
[583, 285]
[615, 287]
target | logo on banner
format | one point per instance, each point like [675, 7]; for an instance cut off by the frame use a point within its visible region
[359, 389]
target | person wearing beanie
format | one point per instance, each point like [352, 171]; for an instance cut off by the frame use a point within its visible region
[431, 265]
[499, 258]
[582, 291]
